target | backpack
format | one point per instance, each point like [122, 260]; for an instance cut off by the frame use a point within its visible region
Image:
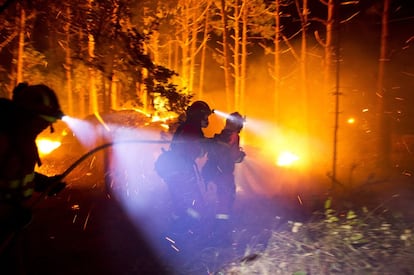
[170, 164]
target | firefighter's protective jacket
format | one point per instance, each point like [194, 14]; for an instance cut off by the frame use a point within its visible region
[18, 155]
[223, 153]
[18, 159]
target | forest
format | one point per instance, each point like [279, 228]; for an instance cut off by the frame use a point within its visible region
[330, 81]
[303, 67]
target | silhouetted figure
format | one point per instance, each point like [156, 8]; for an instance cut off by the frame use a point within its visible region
[223, 153]
[178, 168]
[32, 109]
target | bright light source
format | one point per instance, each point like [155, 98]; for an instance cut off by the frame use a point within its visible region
[286, 159]
[351, 120]
[221, 114]
[46, 146]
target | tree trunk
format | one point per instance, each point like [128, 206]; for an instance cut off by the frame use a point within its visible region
[304, 97]
[203, 56]
[328, 46]
[382, 97]
[276, 66]
[93, 94]
[236, 54]
[112, 96]
[203, 52]
[226, 57]
[244, 53]
[185, 40]
[328, 87]
[193, 50]
[68, 61]
[20, 46]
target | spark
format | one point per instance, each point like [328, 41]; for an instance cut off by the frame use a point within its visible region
[92, 162]
[87, 219]
[175, 248]
[169, 239]
[74, 218]
[300, 200]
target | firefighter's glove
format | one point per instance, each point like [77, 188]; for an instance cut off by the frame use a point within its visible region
[52, 185]
[56, 188]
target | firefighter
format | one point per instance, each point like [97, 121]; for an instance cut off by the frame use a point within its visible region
[219, 168]
[32, 109]
[182, 178]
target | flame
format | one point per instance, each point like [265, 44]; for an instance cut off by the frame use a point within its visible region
[286, 159]
[46, 146]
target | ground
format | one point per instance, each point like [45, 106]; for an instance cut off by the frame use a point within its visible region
[100, 227]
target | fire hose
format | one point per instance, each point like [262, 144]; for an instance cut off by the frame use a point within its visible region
[87, 155]
[5, 243]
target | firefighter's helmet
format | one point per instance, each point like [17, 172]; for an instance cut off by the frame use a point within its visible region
[235, 122]
[38, 100]
[198, 110]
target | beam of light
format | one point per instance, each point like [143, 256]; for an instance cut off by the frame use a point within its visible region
[271, 139]
[261, 128]
[134, 183]
[140, 191]
[130, 169]
[137, 187]
[83, 130]
[282, 147]
[221, 113]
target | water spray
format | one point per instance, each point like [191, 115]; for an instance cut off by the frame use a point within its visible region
[90, 153]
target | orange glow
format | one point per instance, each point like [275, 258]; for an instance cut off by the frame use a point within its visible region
[351, 120]
[286, 159]
[46, 146]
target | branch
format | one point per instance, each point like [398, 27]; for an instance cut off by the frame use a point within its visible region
[319, 39]
[8, 40]
[299, 12]
[324, 2]
[350, 17]
[290, 47]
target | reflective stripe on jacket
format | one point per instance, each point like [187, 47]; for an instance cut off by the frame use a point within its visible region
[18, 189]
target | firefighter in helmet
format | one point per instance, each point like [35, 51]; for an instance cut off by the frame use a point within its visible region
[32, 109]
[187, 145]
[223, 153]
